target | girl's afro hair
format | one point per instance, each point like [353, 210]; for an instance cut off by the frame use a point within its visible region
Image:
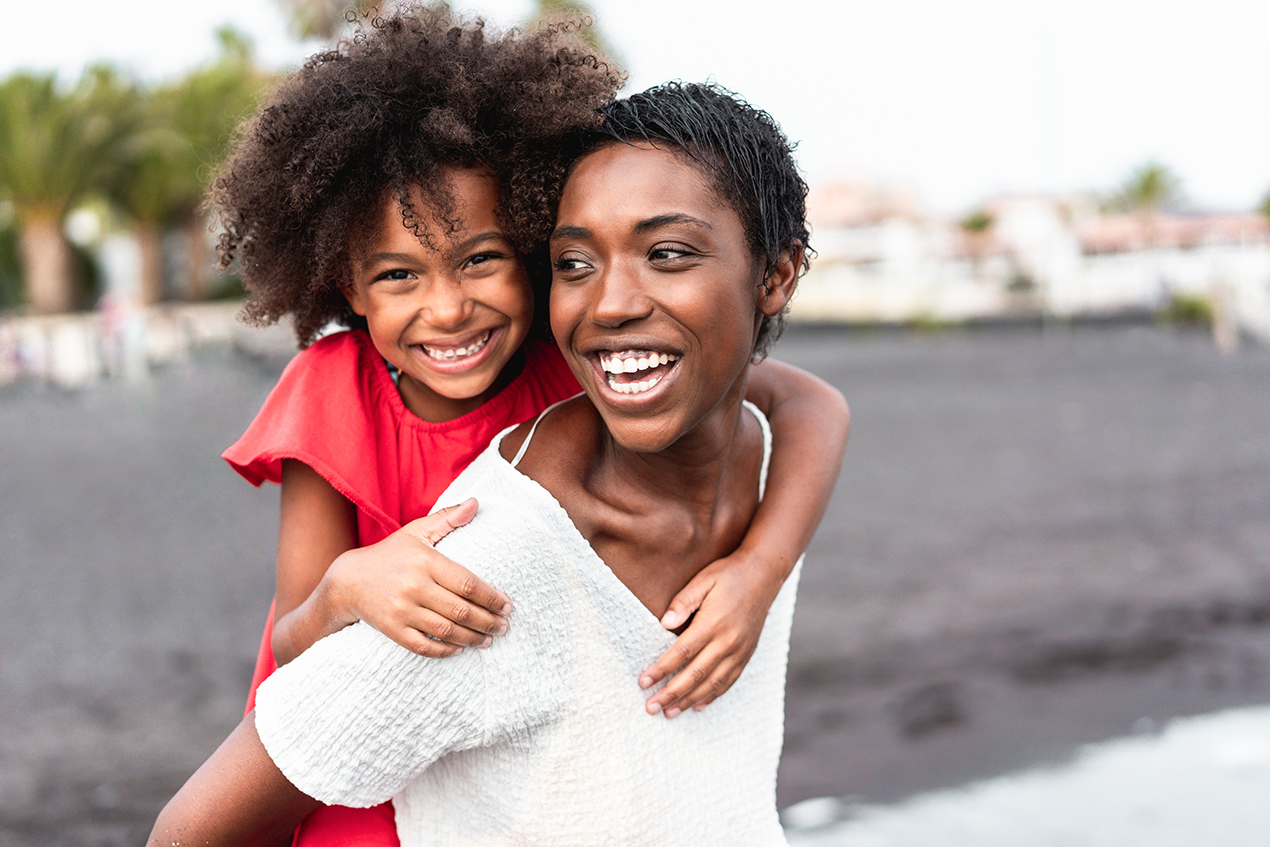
[390, 108]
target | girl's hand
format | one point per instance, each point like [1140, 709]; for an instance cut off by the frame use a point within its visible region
[414, 595]
[731, 597]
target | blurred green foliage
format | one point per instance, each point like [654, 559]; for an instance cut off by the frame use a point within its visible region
[1193, 310]
[146, 152]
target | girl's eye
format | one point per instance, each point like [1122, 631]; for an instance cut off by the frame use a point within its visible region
[396, 274]
[480, 259]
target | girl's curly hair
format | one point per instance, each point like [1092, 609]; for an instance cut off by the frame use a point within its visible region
[392, 107]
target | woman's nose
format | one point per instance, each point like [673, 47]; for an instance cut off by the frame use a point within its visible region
[619, 298]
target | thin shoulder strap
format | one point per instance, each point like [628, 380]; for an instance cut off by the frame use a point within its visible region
[767, 445]
[520, 454]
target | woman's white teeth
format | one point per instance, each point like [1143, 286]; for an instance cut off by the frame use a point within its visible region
[619, 363]
[633, 387]
[449, 354]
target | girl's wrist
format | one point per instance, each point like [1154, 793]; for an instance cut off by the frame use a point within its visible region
[337, 598]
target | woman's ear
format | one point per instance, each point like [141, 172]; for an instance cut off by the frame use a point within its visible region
[777, 289]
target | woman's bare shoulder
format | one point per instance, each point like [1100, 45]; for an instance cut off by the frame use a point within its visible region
[563, 435]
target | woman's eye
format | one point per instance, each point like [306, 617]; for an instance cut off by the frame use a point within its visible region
[569, 263]
[666, 253]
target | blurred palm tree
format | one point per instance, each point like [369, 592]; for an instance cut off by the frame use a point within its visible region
[1147, 190]
[166, 167]
[56, 148]
[550, 11]
[327, 18]
[324, 18]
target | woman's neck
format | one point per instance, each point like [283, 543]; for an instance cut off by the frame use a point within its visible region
[655, 518]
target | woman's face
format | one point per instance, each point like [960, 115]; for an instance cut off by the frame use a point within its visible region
[656, 297]
[449, 313]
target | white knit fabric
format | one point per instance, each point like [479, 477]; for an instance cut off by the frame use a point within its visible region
[541, 739]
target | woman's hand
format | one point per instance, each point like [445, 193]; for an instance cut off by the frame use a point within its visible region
[730, 598]
[416, 596]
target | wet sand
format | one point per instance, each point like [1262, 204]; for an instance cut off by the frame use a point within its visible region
[1039, 540]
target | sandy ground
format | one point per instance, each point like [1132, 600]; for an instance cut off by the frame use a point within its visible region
[1039, 540]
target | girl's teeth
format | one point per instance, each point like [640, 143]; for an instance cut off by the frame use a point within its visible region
[450, 353]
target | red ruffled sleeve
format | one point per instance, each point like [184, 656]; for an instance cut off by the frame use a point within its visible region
[321, 413]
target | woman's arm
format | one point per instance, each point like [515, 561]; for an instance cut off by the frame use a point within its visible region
[238, 797]
[730, 597]
[401, 586]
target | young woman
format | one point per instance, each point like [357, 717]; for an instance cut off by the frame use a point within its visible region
[679, 241]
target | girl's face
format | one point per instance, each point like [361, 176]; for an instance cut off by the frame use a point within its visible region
[451, 316]
[656, 297]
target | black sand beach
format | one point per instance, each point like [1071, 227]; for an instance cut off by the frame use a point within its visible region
[1039, 539]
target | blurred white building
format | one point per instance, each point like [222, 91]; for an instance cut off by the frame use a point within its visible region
[881, 259]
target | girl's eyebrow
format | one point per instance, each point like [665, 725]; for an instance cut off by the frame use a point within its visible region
[480, 238]
[644, 226]
[386, 258]
[466, 244]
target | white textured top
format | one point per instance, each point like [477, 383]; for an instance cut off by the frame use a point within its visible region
[542, 738]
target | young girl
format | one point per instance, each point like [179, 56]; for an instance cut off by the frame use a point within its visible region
[399, 185]
[681, 235]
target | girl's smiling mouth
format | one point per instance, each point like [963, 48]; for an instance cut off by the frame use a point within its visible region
[636, 371]
[452, 353]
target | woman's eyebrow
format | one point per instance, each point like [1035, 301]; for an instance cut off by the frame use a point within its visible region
[570, 232]
[659, 221]
[647, 225]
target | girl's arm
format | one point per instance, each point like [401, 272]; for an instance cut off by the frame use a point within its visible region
[237, 797]
[401, 586]
[731, 596]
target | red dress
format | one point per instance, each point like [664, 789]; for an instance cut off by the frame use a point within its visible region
[337, 409]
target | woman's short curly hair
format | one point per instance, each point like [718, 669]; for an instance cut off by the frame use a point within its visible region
[743, 153]
[392, 107]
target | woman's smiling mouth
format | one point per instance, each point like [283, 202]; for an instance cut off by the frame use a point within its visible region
[622, 367]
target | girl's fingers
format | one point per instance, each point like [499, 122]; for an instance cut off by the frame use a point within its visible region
[477, 629]
[687, 601]
[416, 642]
[677, 656]
[467, 586]
[468, 601]
[687, 678]
[432, 528]
[705, 693]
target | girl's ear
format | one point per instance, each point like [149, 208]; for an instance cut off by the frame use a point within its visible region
[354, 297]
[777, 289]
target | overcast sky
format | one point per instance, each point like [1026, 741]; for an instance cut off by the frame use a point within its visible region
[956, 100]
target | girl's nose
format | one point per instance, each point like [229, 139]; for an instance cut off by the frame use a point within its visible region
[448, 304]
[619, 298]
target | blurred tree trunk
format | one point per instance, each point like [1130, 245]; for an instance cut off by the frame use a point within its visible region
[46, 259]
[198, 258]
[149, 237]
